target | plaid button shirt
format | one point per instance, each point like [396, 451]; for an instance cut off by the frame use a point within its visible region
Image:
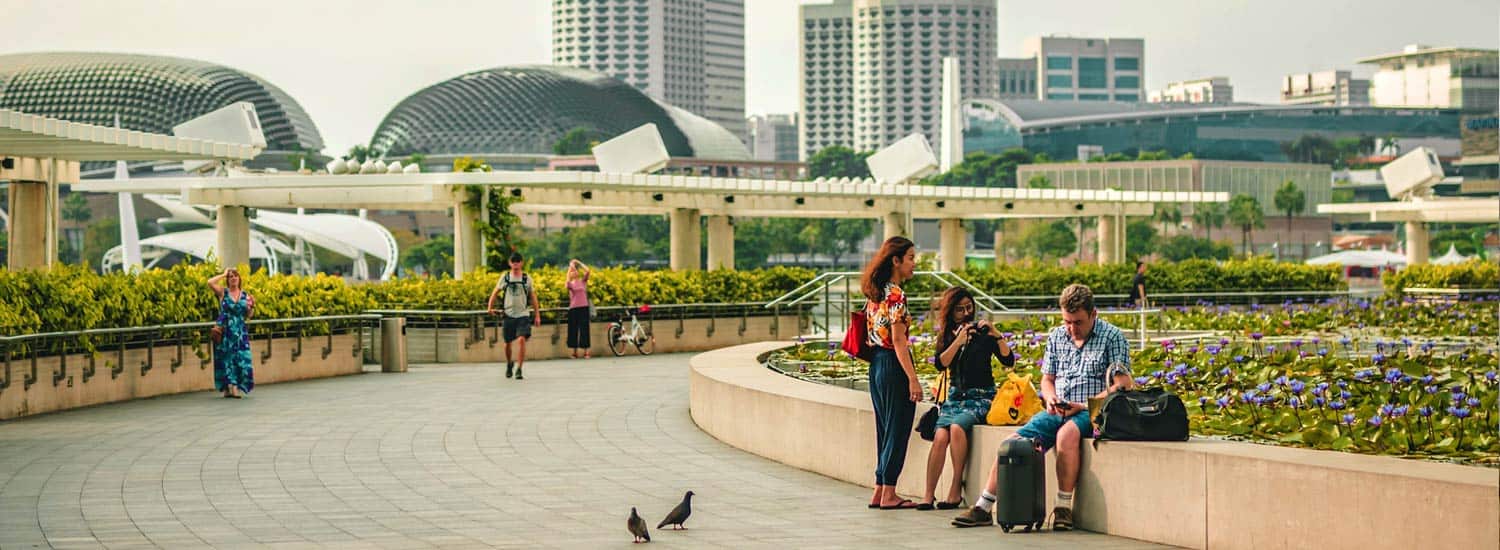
[1082, 371]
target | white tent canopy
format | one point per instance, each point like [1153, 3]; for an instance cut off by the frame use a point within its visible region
[1361, 258]
[1452, 257]
[197, 243]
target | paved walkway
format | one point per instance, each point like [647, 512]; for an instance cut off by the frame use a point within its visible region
[443, 456]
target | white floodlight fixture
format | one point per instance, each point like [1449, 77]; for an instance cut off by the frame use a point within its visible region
[639, 151]
[1412, 175]
[907, 159]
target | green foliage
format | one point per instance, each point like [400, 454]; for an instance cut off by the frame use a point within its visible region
[1245, 213]
[1186, 247]
[981, 169]
[360, 153]
[434, 256]
[1473, 274]
[76, 208]
[1469, 242]
[607, 287]
[1140, 238]
[607, 240]
[578, 141]
[838, 162]
[1037, 279]
[1290, 200]
[1209, 216]
[1048, 240]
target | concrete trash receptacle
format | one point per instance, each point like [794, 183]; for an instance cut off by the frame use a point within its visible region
[393, 344]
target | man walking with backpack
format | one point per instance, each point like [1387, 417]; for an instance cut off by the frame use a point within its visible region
[522, 311]
[1086, 358]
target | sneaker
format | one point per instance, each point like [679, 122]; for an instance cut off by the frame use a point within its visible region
[508, 367]
[1062, 519]
[975, 517]
[518, 373]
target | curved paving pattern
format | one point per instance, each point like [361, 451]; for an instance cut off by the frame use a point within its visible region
[443, 456]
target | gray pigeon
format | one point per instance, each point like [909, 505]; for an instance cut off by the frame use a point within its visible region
[679, 514]
[637, 527]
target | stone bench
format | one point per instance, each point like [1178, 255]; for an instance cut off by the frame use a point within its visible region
[1201, 493]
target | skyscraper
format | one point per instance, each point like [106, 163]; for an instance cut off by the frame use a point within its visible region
[871, 69]
[689, 53]
[773, 137]
[1089, 69]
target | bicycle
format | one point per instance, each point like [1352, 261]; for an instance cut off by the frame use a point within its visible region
[639, 335]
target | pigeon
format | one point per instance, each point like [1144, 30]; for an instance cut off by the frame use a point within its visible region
[679, 514]
[637, 527]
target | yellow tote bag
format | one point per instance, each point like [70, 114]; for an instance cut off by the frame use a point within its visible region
[1015, 402]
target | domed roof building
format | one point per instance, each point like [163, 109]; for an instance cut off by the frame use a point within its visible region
[525, 110]
[151, 94]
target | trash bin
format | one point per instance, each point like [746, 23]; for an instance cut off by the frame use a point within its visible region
[393, 344]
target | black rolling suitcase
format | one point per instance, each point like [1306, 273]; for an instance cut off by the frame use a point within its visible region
[1022, 476]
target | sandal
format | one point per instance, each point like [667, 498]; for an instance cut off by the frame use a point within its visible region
[945, 505]
[903, 504]
[925, 506]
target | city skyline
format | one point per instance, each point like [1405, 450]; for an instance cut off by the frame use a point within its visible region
[350, 63]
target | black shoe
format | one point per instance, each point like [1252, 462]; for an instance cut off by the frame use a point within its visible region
[1062, 519]
[518, 373]
[975, 517]
[508, 367]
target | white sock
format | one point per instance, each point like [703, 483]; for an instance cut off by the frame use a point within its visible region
[986, 501]
[1065, 499]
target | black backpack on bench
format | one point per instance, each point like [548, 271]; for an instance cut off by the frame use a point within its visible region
[1142, 415]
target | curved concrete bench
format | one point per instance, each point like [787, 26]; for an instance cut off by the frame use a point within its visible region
[1199, 494]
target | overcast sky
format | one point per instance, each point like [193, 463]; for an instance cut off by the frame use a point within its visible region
[349, 62]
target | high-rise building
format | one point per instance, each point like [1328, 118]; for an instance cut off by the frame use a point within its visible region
[1017, 77]
[1324, 88]
[773, 137]
[1204, 90]
[872, 69]
[1089, 69]
[688, 53]
[1423, 76]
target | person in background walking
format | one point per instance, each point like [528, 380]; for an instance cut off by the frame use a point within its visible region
[233, 372]
[521, 311]
[894, 388]
[1138, 286]
[964, 348]
[578, 308]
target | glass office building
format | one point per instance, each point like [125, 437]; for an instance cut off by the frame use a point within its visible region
[1226, 132]
[1257, 179]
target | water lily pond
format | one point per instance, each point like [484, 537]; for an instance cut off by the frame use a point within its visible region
[1386, 377]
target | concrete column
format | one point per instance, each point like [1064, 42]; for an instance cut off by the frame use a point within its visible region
[1111, 239]
[1416, 243]
[465, 240]
[895, 225]
[999, 247]
[234, 236]
[720, 242]
[686, 238]
[28, 226]
[951, 243]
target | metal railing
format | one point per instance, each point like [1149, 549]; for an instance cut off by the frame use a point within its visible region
[96, 342]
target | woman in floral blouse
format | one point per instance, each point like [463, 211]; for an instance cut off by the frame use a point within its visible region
[894, 388]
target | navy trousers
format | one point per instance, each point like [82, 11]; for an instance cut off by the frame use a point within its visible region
[894, 413]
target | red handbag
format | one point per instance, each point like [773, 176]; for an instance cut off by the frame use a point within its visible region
[856, 339]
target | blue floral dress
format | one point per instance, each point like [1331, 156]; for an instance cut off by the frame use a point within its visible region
[232, 364]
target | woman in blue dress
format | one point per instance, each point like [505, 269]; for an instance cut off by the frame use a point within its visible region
[232, 364]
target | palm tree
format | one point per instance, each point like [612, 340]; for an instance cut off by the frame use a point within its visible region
[1245, 212]
[1391, 145]
[1168, 215]
[1208, 215]
[1290, 200]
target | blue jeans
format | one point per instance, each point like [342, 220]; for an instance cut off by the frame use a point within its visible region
[894, 413]
[1044, 426]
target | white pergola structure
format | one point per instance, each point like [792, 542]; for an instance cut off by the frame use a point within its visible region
[1417, 214]
[43, 153]
[686, 199]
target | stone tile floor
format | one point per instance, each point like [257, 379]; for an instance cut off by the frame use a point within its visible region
[441, 456]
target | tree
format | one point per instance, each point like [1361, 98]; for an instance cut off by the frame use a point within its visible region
[1391, 145]
[1208, 215]
[981, 169]
[1140, 238]
[433, 257]
[1039, 181]
[76, 208]
[1168, 215]
[1186, 247]
[838, 161]
[578, 141]
[1048, 240]
[360, 153]
[1290, 200]
[1245, 213]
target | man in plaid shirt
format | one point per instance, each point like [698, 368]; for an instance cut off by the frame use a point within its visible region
[1085, 358]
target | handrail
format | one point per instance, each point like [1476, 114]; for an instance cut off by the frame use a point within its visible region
[177, 326]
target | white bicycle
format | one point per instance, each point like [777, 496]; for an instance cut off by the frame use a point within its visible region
[638, 335]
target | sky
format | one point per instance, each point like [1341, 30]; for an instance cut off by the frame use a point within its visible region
[348, 62]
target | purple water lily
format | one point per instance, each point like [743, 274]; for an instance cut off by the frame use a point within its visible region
[1318, 401]
[1239, 359]
[1430, 390]
[1375, 421]
[1425, 411]
[1377, 358]
[1256, 336]
[1224, 371]
[1297, 386]
[1349, 419]
[1336, 405]
[1141, 380]
[1472, 401]
[1344, 394]
[1322, 352]
[1223, 402]
[1460, 413]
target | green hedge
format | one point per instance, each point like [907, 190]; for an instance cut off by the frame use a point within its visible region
[1023, 279]
[607, 287]
[1474, 273]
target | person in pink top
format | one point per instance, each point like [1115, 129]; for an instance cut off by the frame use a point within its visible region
[578, 308]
